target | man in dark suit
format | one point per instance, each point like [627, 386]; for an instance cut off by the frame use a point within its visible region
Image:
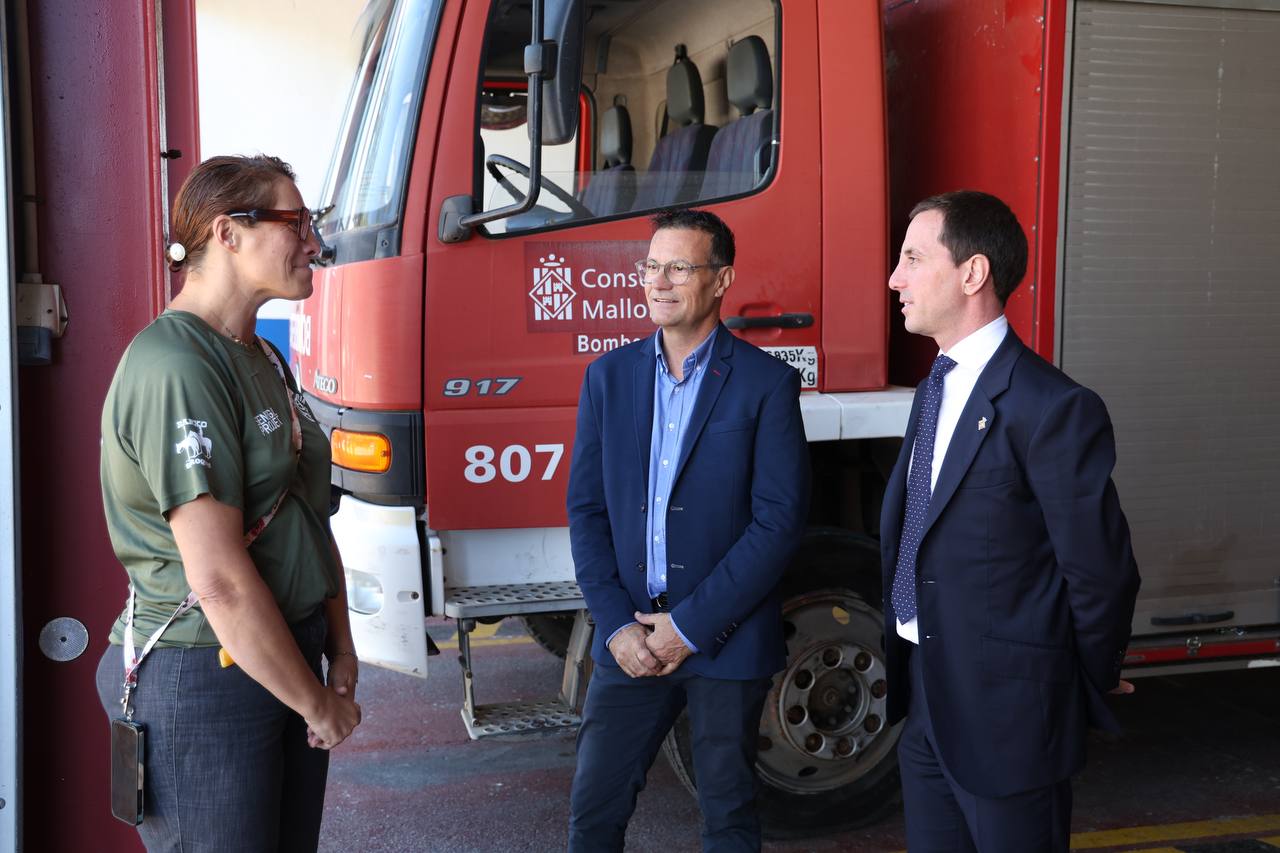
[1006, 557]
[687, 497]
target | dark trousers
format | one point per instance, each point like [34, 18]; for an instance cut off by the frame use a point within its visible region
[942, 817]
[623, 724]
[227, 764]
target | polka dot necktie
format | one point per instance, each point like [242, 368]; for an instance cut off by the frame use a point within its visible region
[919, 491]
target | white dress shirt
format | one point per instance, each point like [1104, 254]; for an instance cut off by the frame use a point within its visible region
[971, 356]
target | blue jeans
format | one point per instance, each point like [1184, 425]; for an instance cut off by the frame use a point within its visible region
[227, 764]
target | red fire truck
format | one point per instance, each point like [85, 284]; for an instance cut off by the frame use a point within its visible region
[489, 197]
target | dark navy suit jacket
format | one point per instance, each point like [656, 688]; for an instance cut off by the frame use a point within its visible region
[1025, 582]
[736, 513]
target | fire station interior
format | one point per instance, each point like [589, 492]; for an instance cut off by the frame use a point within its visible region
[679, 104]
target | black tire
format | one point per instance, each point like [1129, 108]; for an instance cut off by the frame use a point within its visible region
[803, 794]
[550, 630]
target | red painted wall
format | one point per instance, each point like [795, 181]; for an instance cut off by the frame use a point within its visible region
[98, 168]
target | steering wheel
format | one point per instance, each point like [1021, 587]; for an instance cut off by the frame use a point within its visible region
[580, 211]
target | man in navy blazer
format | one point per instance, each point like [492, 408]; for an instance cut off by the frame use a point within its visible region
[688, 493]
[1009, 574]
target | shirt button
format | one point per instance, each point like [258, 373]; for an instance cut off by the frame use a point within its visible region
[671, 426]
[658, 499]
[664, 463]
[657, 539]
[662, 578]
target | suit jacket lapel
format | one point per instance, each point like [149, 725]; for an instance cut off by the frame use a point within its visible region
[712, 384]
[642, 404]
[968, 438]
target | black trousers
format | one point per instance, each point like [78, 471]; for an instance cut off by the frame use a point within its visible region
[942, 817]
[623, 726]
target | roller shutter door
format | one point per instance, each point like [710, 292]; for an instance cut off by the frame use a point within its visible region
[1170, 293]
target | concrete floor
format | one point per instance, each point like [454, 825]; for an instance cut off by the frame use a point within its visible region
[1198, 769]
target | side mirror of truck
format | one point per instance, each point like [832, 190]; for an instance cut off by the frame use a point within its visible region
[554, 68]
[562, 24]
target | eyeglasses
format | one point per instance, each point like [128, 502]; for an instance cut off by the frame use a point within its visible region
[300, 219]
[677, 272]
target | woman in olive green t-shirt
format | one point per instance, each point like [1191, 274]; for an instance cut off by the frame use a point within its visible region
[215, 483]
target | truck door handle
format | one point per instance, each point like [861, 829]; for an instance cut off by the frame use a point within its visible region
[1193, 618]
[777, 321]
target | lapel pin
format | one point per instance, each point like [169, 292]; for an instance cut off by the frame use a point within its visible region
[982, 423]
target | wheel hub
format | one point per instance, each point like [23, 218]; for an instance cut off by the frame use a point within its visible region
[824, 722]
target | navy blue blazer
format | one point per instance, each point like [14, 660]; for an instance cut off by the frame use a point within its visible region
[737, 509]
[1025, 578]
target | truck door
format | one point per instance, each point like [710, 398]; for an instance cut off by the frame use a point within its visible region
[516, 311]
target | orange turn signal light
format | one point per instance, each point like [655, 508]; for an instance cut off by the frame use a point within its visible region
[361, 451]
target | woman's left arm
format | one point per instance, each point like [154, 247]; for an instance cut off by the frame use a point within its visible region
[340, 648]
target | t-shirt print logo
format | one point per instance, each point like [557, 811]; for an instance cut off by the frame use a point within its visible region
[198, 448]
[268, 421]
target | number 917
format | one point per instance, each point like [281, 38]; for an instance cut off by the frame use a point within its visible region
[498, 387]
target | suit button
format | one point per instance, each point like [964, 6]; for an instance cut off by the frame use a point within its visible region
[639, 567]
[643, 509]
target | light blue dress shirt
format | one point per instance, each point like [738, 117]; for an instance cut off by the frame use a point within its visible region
[672, 409]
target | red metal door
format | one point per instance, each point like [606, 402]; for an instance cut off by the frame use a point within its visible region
[499, 458]
[99, 190]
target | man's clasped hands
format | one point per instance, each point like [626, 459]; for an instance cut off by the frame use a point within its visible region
[649, 646]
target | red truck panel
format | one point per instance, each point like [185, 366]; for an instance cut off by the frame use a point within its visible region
[855, 291]
[996, 127]
[360, 329]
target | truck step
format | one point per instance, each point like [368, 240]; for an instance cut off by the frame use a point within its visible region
[514, 718]
[476, 602]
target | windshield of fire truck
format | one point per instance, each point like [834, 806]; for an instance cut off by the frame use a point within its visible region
[364, 192]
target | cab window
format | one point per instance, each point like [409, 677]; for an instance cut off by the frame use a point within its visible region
[504, 146]
[680, 108]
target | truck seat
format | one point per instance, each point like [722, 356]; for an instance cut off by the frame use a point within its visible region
[613, 189]
[680, 157]
[742, 149]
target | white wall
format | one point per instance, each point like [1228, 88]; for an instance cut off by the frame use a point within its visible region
[274, 77]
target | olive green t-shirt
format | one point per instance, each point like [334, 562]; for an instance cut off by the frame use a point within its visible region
[191, 412]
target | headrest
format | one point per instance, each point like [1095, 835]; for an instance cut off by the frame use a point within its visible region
[750, 76]
[684, 93]
[615, 136]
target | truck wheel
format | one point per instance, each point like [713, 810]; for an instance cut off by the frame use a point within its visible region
[550, 630]
[827, 759]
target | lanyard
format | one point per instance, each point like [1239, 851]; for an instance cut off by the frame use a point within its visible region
[131, 663]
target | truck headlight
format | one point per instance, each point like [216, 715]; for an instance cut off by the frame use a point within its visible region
[364, 592]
